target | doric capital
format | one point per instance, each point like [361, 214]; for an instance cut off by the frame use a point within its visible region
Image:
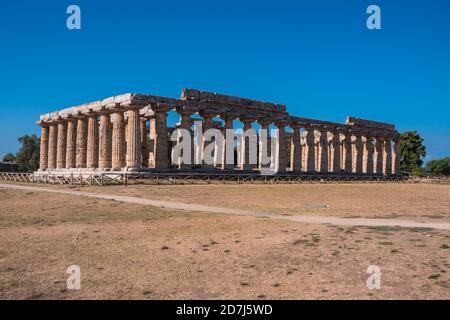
[281, 122]
[208, 113]
[117, 107]
[160, 107]
[104, 111]
[296, 125]
[91, 113]
[186, 110]
[397, 138]
[368, 137]
[42, 123]
[323, 130]
[249, 118]
[79, 115]
[59, 120]
[341, 129]
[229, 116]
[71, 118]
[132, 106]
[264, 121]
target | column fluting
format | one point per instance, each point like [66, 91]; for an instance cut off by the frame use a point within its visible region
[358, 155]
[336, 154]
[118, 141]
[296, 150]
[323, 151]
[134, 139]
[92, 142]
[310, 150]
[105, 141]
[368, 155]
[61, 147]
[43, 155]
[81, 157]
[281, 156]
[52, 145]
[71, 143]
[161, 144]
[387, 157]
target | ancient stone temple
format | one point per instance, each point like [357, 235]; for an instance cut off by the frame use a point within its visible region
[130, 133]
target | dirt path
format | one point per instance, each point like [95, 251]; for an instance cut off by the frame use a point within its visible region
[195, 207]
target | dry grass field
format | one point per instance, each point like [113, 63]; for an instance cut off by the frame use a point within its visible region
[345, 200]
[141, 252]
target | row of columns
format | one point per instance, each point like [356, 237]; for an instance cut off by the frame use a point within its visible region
[94, 140]
[117, 139]
[347, 156]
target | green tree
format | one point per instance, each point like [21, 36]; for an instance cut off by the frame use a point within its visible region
[440, 166]
[9, 158]
[28, 155]
[412, 150]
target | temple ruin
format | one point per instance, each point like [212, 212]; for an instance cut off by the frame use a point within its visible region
[130, 133]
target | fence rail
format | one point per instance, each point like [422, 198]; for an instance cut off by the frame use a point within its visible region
[124, 178]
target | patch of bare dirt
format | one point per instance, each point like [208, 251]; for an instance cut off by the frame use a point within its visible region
[132, 251]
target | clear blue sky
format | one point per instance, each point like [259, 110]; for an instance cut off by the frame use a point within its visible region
[316, 56]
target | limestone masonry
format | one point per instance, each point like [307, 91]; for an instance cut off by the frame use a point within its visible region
[130, 132]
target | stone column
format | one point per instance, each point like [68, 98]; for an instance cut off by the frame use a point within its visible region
[152, 136]
[71, 143]
[52, 145]
[245, 148]
[387, 157]
[330, 156]
[310, 148]
[185, 124]
[378, 156]
[81, 155]
[316, 154]
[347, 151]
[144, 143]
[282, 163]
[396, 157]
[134, 157]
[336, 155]
[207, 124]
[358, 155]
[43, 156]
[105, 141]
[92, 142]
[61, 147]
[323, 151]
[161, 144]
[368, 155]
[228, 126]
[118, 141]
[303, 143]
[126, 136]
[296, 150]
